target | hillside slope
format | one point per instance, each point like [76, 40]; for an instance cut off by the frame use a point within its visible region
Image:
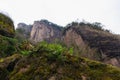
[88, 40]
[7, 32]
[47, 64]
[6, 26]
[46, 61]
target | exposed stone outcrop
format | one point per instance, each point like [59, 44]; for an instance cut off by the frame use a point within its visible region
[106, 43]
[89, 40]
[44, 30]
[6, 26]
[72, 38]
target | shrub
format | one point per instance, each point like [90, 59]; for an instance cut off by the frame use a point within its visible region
[55, 51]
[7, 46]
[25, 48]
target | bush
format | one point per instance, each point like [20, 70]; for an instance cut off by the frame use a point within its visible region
[7, 46]
[55, 51]
[25, 48]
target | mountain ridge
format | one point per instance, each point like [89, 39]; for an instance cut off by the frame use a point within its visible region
[22, 60]
[89, 38]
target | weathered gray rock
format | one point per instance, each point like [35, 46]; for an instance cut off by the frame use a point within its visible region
[45, 30]
[106, 44]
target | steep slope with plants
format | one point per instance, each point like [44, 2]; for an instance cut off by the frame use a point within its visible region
[7, 32]
[54, 62]
[8, 46]
[51, 61]
[6, 26]
[89, 40]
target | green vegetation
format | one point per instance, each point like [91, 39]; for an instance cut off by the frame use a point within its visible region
[96, 25]
[50, 61]
[6, 26]
[47, 61]
[25, 48]
[20, 35]
[55, 51]
[7, 65]
[7, 32]
[40, 66]
[7, 46]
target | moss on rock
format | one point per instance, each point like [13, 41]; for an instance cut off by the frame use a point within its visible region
[6, 26]
[7, 65]
[38, 66]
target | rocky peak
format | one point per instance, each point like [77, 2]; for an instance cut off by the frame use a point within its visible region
[45, 30]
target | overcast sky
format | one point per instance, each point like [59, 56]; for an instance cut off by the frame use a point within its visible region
[63, 12]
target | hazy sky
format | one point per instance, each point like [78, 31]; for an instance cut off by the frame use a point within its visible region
[63, 12]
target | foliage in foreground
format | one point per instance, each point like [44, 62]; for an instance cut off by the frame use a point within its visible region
[53, 61]
[55, 51]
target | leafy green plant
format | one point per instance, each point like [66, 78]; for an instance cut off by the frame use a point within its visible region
[71, 51]
[25, 48]
[25, 52]
[55, 51]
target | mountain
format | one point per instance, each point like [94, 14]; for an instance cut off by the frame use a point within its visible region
[106, 44]
[45, 30]
[54, 60]
[42, 30]
[89, 40]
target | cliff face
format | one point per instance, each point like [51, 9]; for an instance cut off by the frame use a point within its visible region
[72, 38]
[107, 45]
[44, 30]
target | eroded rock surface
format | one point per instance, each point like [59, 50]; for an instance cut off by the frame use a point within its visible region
[44, 30]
